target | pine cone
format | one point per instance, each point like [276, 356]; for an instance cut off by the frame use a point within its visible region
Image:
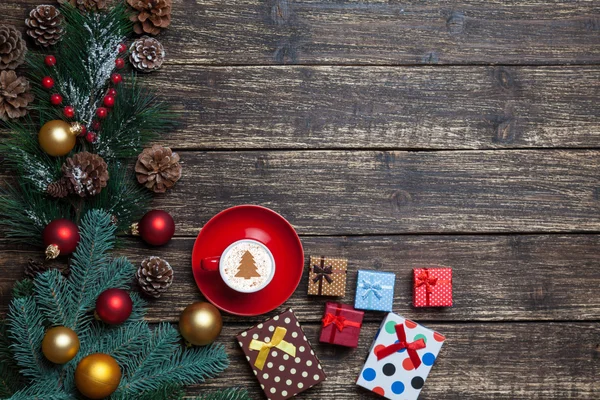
[151, 15]
[158, 168]
[45, 25]
[155, 275]
[14, 95]
[87, 5]
[146, 54]
[59, 188]
[85, 174]
[12, 47]
[33, 268]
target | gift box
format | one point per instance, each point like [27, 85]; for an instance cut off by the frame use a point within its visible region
[281, 356]
[375, 290]
[400, 358]
[327, 276]
[432, 287]
[341, 324]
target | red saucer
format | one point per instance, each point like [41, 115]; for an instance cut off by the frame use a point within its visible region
[265, 226]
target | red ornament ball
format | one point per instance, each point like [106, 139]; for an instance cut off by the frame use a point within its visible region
[60, 237]
[47, 82]
[69, 112]
[111, 92]
[156, 227]
[114, 306]
[56, 99]
[91, 137]
[119, 63]
[50, 61]
[108, 101]
[102, 112]
[122, 48]
[116, 78]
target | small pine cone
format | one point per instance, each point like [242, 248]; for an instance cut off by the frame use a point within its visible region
[158, 168]
[85, 174]
[33, 268]
[87, 5]
[155, 275]
[150, 16]
[12, 47]
[45, 25]
[14, 95]
[146, 54]
[58, 189]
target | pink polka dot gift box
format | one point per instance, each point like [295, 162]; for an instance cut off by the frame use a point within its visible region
[400, 358]
[432, 287]
[281, 356]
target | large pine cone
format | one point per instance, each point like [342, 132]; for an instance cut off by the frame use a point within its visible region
[87, 5]
[155, 275]
[146, 54]
[151, 15]
[158, 168]
[45, 25]
[85, 174]
[14, 95]
[12, 47]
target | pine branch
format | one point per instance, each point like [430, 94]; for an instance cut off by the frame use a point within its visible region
[52, 296]
[227, 394]
[44, 388]
[23, 288]
[10, 379]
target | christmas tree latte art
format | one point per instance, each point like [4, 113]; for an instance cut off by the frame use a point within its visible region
[247, 266]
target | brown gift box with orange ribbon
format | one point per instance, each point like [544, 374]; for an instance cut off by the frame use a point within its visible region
[281, 356]
[341, 324]
[432, 287]
[327, 276]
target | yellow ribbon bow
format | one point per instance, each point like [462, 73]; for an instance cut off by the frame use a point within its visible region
[276, 341]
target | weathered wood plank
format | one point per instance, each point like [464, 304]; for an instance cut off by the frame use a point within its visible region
[375, 31]
[479, 360]
[383, 107]
[360, 192]
[512, 277]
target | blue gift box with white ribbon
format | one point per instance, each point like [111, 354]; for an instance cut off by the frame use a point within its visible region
[375, 290]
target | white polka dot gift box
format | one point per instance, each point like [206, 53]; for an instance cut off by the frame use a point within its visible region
[281, 357]
[432, 287]
[327, 276]
[375, 290]
[400, 358]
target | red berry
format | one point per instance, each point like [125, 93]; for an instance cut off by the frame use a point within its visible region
[47, 82]
[109, 101]
[101, 112]
[116, 78]
[50, 61]
[95, 125]
[83, 131]
[112, 92]
[56, 99]
[69, 111]
[90, 137]
[122, 48]
[119, 63]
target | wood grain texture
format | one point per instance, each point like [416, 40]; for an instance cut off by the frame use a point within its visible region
[373, 192]
[375, 31]
[496, 278]
[478, 361]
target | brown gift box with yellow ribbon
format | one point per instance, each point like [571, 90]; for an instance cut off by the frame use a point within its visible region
[281, 357]
[327, 276]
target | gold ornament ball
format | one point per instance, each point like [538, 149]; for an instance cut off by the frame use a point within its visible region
[60, 344]
[97, 376]
[200, 323]
[57, 137]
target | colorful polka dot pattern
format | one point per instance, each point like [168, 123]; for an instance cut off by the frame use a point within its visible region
[367, 299]
[441, 292]
[283, 376]
[395, 376]
[337, 287]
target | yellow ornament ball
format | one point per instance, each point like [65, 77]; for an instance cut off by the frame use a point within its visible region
[60, 344]
[97, 376]
[200, 323]
[58, 138]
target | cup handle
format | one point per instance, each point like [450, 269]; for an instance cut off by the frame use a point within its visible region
[210, 263]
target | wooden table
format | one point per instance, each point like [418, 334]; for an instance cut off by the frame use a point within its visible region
[397, 135]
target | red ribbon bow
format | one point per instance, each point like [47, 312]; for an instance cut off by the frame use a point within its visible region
[424, 279]
[339, 321]
[411, 347]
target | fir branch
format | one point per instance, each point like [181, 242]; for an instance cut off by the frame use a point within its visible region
[10, 379]
[26, 333]
[166, 392]
[44, 388]
[227, 394]
[23, 288]
[52, 296]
